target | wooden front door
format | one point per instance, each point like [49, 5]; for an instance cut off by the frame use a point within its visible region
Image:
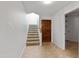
[46, 30]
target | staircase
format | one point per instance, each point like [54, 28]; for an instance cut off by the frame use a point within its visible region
[33, 36]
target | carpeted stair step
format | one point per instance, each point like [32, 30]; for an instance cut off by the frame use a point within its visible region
[31, 43]
[33, 29]
[32, 32]
[33, 39]
[32, 36]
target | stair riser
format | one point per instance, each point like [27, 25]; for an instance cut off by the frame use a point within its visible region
[32, 44]
[33, 28]
[33, 32]
[32, 36]
[32, 40]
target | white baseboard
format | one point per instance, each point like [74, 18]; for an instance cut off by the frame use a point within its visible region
[22, 51]
[59, 46]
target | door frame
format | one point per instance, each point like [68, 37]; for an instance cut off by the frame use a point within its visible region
[51, 29]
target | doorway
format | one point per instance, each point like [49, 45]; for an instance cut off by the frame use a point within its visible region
[46, 30]
[71, 31]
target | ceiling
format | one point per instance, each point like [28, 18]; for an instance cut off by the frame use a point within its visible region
[74, 12]
[44, 10]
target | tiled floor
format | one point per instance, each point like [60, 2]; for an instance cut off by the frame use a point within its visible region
[49, 50]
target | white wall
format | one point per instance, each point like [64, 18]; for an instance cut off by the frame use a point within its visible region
[59, 24]
[76, 24]
[32, 18]
[12, 29]
[72, 27]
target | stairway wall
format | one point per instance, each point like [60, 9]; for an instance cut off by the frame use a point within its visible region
[32, 18]
[12, 29]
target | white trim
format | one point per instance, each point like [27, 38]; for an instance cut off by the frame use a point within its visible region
[22, 51]
[40, 33]
[58, 46]
[40, 36]
[27, 32]
[52, 39]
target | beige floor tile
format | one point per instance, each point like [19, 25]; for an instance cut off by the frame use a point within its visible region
[49, 50]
